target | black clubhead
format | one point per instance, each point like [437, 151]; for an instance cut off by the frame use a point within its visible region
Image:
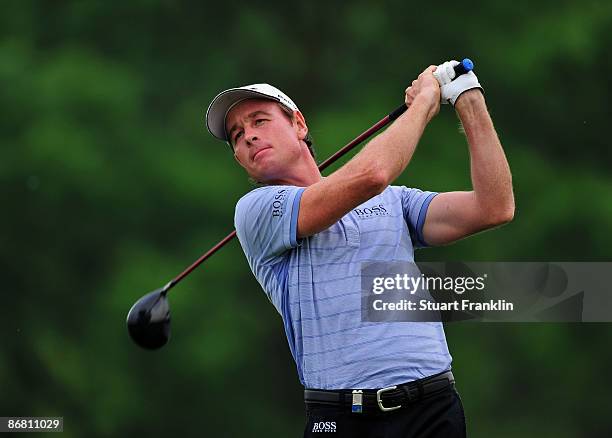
[148, 320]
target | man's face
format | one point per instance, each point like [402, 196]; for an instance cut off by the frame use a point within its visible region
[265, 141]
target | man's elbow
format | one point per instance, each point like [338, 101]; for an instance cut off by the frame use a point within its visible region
[376, 181]
[506, 216]
[501, 215]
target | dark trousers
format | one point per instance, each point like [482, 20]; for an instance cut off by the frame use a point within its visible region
[438, 415]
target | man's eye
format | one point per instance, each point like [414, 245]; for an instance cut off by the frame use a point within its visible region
[259, 121]
[237, 136]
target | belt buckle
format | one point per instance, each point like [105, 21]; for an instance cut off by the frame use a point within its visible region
[379, 393]
[357, 406]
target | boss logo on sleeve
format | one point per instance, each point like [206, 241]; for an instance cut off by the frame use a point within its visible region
[277, 203]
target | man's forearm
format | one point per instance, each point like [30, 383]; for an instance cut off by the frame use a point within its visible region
[491, 177]
[390, 152]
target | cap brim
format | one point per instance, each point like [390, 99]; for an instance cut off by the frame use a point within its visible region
[223, 103]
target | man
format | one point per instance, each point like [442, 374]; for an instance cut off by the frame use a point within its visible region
[305, 237]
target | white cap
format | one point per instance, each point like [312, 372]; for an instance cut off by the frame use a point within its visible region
[226, 100]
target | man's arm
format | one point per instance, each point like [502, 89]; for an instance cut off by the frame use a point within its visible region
[454, 215]
[369, 172]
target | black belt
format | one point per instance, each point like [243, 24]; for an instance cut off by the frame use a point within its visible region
[385, 399]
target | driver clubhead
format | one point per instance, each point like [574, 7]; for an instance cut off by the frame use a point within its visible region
[148, 320]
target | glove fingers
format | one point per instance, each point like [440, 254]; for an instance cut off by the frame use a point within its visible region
[445, 72]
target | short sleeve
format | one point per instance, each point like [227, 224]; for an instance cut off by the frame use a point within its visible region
[415, 203]
[266, 221]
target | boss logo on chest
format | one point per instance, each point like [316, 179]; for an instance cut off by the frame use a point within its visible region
[371, 211]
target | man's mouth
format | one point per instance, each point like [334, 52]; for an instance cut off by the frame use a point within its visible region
[258, 152]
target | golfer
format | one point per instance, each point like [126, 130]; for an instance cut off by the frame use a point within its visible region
[305, 237]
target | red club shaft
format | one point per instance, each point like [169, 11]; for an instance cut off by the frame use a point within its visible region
[359, 139]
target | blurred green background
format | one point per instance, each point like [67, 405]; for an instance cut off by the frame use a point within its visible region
[110, 186]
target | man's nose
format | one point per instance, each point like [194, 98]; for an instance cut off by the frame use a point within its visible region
[251, 137]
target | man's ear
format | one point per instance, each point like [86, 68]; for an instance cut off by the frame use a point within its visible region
[300, 122]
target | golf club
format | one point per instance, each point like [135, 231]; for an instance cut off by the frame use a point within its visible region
[148, 320]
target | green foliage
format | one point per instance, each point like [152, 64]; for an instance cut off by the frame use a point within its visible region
[111, 186]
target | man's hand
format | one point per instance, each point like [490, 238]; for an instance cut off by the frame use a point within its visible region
[452, 89]
[425, 87]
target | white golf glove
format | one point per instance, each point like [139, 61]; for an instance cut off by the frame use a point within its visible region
[451, 89]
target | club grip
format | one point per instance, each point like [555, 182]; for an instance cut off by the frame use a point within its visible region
[462, 68]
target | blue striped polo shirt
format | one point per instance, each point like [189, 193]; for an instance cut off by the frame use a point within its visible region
[315, 285]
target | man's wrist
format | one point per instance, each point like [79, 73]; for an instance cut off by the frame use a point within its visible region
[428, 102]
[470, 99]
[472, 111]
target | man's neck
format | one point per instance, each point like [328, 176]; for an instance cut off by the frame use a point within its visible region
[304, 174]
[300, 179]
